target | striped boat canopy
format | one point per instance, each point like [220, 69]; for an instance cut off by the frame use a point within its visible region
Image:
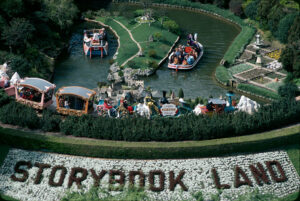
[37, 83]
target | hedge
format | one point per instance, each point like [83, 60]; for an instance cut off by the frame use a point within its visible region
[150, 150]
[258, 91]
[222, 75]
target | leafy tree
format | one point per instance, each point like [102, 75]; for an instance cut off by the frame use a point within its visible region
[284, 26]
[171, 26]
[17, 34]
[12, 8]
[2, 23]
[294, 31]
[61, 12]
[251, 9]
[157, 36]
[287, 58]
[288, 90]
[236, 7]
[180, 93]
[274, 17]
[263, 9]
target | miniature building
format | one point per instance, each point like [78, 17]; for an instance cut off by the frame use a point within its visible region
[75, 100]
[35, 92]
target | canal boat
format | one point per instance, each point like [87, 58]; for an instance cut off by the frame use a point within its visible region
[95, 42]
[192, 43]
[74, 100]
[35, 92]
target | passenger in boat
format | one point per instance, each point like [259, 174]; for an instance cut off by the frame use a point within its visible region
[86, 39]
[176, 61]
[191, 59]
[180, 59]
[184, 62]
[177, 52]
[95, 37]
[66, 104]
[172, 59]
[6, 83]
[61, 101]
[107, 105]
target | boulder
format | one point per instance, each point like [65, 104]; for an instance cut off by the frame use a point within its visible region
[247, 105]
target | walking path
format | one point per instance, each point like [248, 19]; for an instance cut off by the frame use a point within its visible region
[130, 34]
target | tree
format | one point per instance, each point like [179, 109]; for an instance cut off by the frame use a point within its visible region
[61, 12]
[236, 7]
[288, 90]
[171, 26]
[294, 31]
[180, 93]
[157, 36]
[264, 7]
[251, 9]
[12, 8]
[284, 26]
[287, 58]
[17, 34]
[274, 17]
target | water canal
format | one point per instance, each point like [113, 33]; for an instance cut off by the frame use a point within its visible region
[216, 35]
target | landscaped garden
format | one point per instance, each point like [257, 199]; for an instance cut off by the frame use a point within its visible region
[222, 153]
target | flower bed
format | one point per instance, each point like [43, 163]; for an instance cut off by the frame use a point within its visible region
[33, 176]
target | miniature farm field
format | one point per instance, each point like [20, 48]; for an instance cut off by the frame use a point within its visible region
[153, 50]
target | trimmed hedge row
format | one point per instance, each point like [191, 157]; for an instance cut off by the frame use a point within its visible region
[186, 127]
[150, 150]
[222, 75]
[258, 91]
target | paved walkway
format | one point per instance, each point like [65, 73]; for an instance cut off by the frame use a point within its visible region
[131, 36]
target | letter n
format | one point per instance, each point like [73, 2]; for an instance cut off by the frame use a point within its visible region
[259, 174]
[237, 182]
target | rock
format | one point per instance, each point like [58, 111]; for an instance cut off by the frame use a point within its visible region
[247, 105]
[114, 68]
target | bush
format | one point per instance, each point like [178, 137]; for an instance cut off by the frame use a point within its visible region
[222, 74]
[50, 121]
[89, 14]
[288, 91]
[111, 61]
[18, 114]
[284, 26]
[132, 64]
[152, 53]
[152, 64]
[258, 91]
[4, 98]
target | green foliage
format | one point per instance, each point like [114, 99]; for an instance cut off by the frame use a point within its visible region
[222, 74]
[284, 26]
[152, 53]
[294, 31]
[89, 14]
[152, 64]
[239, 44]
[236, 7]
[61, 12]
[275, 15]
[4, 98]
[120, 73]
[157, 36]
[50, 121]
[17, 34]
[257, 196]
[180, 93]
[132, 64]
[251, 9]
[17, 63]
[288, 91]
[139, 12]
[171, 26]
[12, 8]
[258, 91]
[287, 58]
[130, 194]
[18, 114]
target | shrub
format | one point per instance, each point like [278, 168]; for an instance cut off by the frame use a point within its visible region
[284, 26]
[18, 114]
[222, 74]
[111, 61]
[152, 53]
[89, 14]
[50, 121]
[4, 98]
[289, 91]
[180, 93]
[152, 64]
[132, 64]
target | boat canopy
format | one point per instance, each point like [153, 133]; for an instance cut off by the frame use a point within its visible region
[216, 101]
[37, 83]
[77, 91]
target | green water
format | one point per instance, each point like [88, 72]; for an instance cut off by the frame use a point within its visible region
[215, 35]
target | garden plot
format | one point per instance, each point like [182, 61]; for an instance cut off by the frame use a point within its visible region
[251, 74]
[261, 80]
[274, 85]
[275, 75]
[240, 68]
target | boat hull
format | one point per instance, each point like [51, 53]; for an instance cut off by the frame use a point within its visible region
[187, 67]
[95, 51]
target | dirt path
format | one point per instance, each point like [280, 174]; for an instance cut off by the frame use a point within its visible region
[132, 38]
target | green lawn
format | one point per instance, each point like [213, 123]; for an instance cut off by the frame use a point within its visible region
[222, 74]
[274, 85]
[127, 47]
[141, 34]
